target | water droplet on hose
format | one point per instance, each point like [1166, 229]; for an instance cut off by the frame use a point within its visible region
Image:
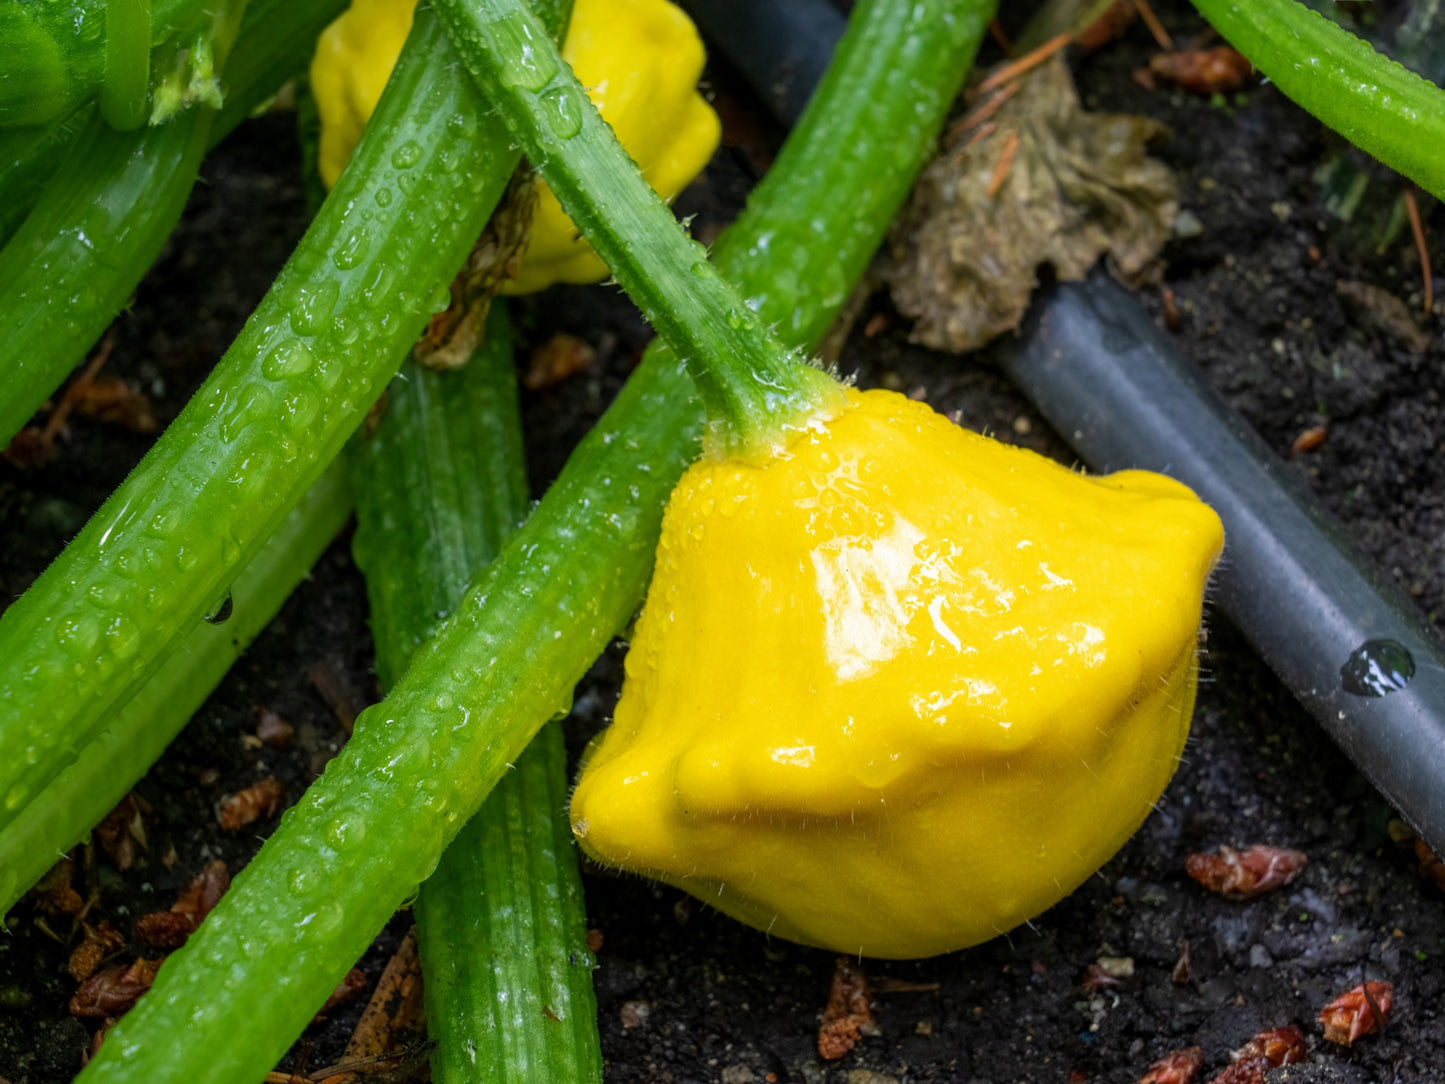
[1376, 668]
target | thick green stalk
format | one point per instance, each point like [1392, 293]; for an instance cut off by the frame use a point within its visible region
[501, 925]
[1383, 108]
[57, 55]
[277, 39]
[71, 266]
[752, 388]
[28, 159]
[127, 63]
[137, 734]
[420, 763]
[99, 224]
[301, 375]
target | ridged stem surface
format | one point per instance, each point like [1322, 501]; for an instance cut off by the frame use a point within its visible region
[137, 734]
[420, 763]
[277, 39]
[335, 326]
[501, 924]
[753, 389]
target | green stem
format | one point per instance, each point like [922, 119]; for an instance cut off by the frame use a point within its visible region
[753, 389]
[417, 765]
[307, 366]
[127, 63]
[137, 734]
[57, 55]
[276, 41]
[71, 266]
[1383, 108]
[500, 924]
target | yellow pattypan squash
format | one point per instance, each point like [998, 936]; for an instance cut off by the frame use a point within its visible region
[901, 687]
[639, 59]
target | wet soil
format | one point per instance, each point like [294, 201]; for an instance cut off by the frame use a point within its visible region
[685, 994]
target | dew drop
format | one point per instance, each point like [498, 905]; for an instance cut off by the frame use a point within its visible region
[288, 359]
[313, 307]
[534, 62]
[407, 155]
[253, 406]
[383, 197]
[352, 250]
[220, 613]
[563, 109]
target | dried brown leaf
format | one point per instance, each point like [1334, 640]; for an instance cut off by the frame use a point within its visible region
[121, 830]
[113, 991]
[1080, 185]
[394, 1014]
[170, 929]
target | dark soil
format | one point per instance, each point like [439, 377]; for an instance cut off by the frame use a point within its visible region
[1257, 289]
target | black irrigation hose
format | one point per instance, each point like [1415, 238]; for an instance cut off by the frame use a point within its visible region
[1363, 663]
[781, 49]
[1361, 660]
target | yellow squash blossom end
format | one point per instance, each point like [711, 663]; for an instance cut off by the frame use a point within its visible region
[902, 687]
[640, 61]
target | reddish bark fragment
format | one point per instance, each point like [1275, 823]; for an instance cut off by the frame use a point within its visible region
[556, 359]
[111, 399]
[1096, 979]
[258, 800]
[335, 692]
[55, 895]
[100, 943]
[350, 986]
[1175, 1067]
[1431, 868]
[169, 929]
[274, 730]
[1183, 973]
[1248, 1071]
[1203, 71]
[122, 829]
[114, 990]
[1309, 439]
[849, 1012]
[1108, 26]
[1278, 1046]
[1358, 1012]
[1246, 874]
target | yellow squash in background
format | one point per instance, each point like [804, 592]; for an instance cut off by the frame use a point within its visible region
[639, 59]
[901, 687]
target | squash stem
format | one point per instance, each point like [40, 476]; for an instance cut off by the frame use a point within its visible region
[753, 388]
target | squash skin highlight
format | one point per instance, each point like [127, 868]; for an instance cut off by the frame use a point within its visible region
[902, 687]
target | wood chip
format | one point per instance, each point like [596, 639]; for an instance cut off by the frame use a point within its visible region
[258, 800]
[849, 1013]
[555, 360]
[100, 944]
[1246, 874]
